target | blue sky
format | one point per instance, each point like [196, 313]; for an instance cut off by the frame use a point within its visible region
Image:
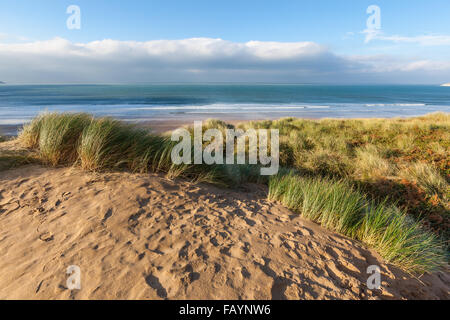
[415, 35]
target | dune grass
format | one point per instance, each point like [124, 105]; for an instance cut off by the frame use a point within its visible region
[29, 135]
[400, 239]
[406, 160]
[334, 171]
[108, 143]
[369, 164]
[59, 137]
[336, 205]
[100, 144]
[426, 177]
[424, 138]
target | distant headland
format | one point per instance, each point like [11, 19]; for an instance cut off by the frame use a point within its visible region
[1, 82]
[445, 84]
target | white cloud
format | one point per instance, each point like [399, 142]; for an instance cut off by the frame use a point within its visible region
[423, 40]
[426, 65]
[198, 59]
[195, 48]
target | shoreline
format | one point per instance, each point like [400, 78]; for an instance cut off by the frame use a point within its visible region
[169, 124]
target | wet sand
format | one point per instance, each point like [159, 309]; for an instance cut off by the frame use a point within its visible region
[157, 126]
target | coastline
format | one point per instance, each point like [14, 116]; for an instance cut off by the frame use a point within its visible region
[167, 105]
[168, 124]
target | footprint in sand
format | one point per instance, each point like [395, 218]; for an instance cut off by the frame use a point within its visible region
[153, 282]
[245, 273]
[107, 215]
[200, 252]
[184, 251]
[192, 276]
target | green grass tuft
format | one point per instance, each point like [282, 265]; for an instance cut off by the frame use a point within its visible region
[108, 143]
[337, 206]
[59, 137]
[426, 177]
[400, 239]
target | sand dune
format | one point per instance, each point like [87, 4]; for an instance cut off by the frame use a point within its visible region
[138, 236]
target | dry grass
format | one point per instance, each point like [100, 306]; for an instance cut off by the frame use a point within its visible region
[407, 160]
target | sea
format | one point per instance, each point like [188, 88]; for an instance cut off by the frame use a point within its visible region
[143, 102]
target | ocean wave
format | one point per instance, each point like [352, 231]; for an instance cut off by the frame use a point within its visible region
[395, 104]
[224, 106]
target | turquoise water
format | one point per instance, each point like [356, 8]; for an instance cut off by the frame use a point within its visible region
[18, 104]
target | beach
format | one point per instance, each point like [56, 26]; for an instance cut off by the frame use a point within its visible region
[140, 236]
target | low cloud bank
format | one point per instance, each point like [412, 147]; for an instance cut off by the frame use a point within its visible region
[204, 59]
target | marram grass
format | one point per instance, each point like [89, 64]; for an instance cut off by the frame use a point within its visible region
[336, 205]
[403, 159]
[426, 177]
[100, 144]
[108, 143]
[59, 137]
[400, 239]
[55, 135]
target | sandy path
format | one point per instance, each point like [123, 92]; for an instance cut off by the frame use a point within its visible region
[145, 237]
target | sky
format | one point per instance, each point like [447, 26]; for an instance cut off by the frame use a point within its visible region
[135, 41]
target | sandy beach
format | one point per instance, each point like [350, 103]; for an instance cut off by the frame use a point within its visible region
[143, 236]
[157, 126]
